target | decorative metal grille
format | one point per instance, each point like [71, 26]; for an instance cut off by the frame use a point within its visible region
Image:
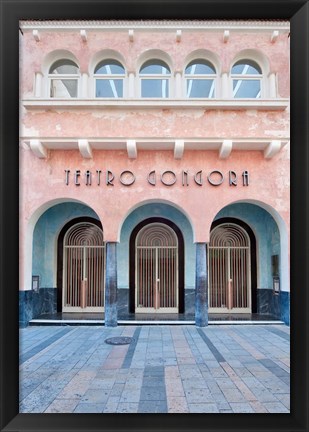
[156, 269]
[84, 268]
[229, 269]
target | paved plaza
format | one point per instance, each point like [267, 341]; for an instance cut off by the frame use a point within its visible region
[165, 369]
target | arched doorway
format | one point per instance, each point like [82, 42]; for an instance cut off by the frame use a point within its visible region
[156, 267]
[232, 267]
[81, 266]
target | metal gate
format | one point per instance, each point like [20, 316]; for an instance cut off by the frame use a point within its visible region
[83, 269]
[156, 272]
[229, 270]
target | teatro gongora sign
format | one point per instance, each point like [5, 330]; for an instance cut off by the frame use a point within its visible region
[167, 178]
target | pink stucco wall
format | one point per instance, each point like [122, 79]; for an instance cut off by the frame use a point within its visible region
[42, 181]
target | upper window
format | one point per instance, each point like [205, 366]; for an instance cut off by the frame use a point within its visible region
[63, 76]
[200, 79]
[247, 78]
[109, 78]
[155, 76]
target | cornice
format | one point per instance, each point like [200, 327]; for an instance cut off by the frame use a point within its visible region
[239, 25]
[280, 104]
[42, 146]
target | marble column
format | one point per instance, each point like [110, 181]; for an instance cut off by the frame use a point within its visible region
[201, 286]
[111, 285]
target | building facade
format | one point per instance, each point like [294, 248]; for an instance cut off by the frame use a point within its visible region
[154, 169]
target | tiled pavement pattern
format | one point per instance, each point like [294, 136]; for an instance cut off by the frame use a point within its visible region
[166, 369]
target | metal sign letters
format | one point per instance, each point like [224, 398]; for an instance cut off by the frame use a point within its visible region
[167, 178]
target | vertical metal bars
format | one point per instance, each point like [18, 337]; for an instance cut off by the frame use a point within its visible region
[229, 268]
[84, 266]
[156, 269]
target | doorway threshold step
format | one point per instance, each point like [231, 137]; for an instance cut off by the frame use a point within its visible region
[150, 322]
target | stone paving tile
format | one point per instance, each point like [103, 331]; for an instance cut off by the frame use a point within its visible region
[129, 395]
[177, 405]
[111, 404]
[241, 407]
[222, 405]
[176, 369]
[102, 383]
[258, 407]
[127, 407]
[203, 408]
[89, 408]
[198, 395]
[95, 396]
[117, 390]
[225, 383]
[62, 406]
[233, 395]
[284, 399]
[275, 407]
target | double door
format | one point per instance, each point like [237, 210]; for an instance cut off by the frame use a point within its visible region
[83, 269]
[156, 270]
[229, 270]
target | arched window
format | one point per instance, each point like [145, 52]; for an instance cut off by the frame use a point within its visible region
[155, 76]
[109, 79]
[247, 79]
[200, 77]
[63, 77]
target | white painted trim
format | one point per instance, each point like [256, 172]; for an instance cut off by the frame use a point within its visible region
[38, 148]
[226, 36]
[36, 35]
[38, 80]
[77, 309]
[245, 25]
[192, 142]
[155, 322]
[224, 310]
[131, 149]
[179, 149]
[272, 149]
[280, 104]
[163, 310]
[225, 149]
[267, 145]
[274, 36]
[85, 148]
[83, 35]
[131, 35]
[272, 85]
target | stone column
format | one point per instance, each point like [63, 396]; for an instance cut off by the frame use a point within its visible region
[201, 286]
[272, 85]
[225, 93]
[38, 84]
[111, 285]
[178, 84]
[131, 81]
[84, 89]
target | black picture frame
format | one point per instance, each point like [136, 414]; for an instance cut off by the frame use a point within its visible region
[297, 11]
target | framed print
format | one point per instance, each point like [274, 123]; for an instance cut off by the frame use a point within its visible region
[147, 149]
